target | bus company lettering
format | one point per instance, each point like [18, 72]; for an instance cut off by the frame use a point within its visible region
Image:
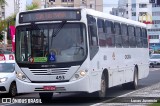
[2, 57]
[127, 56]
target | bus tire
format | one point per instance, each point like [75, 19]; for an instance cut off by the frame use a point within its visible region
[134, 84]
[102, 93]
[46, 97]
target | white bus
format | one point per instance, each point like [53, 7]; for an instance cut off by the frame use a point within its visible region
[78, 50]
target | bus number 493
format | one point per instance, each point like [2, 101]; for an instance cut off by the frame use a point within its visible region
[60, 77]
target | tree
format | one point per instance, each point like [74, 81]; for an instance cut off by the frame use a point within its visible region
[32, 6]
[2, 2]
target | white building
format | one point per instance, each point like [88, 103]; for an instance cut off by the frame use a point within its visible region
[142, 10]
[12, 7]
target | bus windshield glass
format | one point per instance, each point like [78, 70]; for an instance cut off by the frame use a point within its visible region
[57, 43]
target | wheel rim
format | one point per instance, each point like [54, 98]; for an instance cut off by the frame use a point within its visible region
[103, 86]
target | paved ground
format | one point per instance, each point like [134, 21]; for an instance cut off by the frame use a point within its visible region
[142, 97]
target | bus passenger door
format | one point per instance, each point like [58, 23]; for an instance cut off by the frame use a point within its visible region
[93, 50]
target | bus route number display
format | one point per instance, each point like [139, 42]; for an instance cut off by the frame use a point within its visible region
[49, 15]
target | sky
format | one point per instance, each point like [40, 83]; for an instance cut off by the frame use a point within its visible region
[108, 4]
[29, 1]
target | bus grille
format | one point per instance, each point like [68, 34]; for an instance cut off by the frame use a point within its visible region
[55, 71]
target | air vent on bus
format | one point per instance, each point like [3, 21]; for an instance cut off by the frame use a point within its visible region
[55, 71]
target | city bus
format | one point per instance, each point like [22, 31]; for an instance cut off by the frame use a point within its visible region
[64, 49]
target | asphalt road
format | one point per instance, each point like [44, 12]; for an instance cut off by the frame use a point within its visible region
[88, 99]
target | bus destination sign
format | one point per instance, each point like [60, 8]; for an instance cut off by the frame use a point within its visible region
[49, 15]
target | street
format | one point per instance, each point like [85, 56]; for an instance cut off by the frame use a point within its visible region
[88, 99]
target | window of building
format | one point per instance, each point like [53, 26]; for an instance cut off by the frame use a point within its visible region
[142, 5]
[154, 37]
[157, 13]
[133, 13]
[153, 30]
[91, 6]
[133, 5]
[64, 0]
[51, 0]
[142, 13]
[155, 5]
[126, 12]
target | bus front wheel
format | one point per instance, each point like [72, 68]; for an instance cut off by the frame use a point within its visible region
[46, 97]
[102, 93]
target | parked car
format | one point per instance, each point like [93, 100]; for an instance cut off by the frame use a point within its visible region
[154, 60]
[7, 73]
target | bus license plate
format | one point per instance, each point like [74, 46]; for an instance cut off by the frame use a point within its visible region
[49, 88]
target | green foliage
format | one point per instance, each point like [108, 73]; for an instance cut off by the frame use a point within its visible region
[32, 6]
[2, 2]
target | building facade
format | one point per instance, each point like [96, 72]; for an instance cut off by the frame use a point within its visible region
[12, 7]
[93, 4]
[143, 11]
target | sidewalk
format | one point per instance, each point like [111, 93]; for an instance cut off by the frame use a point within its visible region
[142, 97]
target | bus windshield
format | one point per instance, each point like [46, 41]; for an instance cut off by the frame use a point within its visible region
[41, 43]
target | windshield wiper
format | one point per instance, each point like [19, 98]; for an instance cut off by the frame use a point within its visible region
[58, 30]
[34, 26]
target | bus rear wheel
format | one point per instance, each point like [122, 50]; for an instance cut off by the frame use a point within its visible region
[134, 84]
[46, 97]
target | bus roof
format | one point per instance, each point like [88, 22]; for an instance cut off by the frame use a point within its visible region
[99, 14]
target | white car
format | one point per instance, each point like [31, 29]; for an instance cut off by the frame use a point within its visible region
[7, 74]
[154, 60]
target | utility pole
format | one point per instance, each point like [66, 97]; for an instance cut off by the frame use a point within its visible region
[95, 4]
[45, 5]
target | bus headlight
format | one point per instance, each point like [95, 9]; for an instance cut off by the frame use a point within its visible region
[3, 79]
[22, 76]
[78, 75]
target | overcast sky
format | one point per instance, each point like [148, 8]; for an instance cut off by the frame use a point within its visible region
[107, 4]
[29, 1]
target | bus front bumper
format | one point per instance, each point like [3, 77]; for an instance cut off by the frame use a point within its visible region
[81, 85]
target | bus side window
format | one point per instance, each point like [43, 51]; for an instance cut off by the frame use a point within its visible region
[125, 38]
[144, 37]
[109, 30]
[138, 37]
[101, 33]
[92, 32]
[118, 37]
[132, 39]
